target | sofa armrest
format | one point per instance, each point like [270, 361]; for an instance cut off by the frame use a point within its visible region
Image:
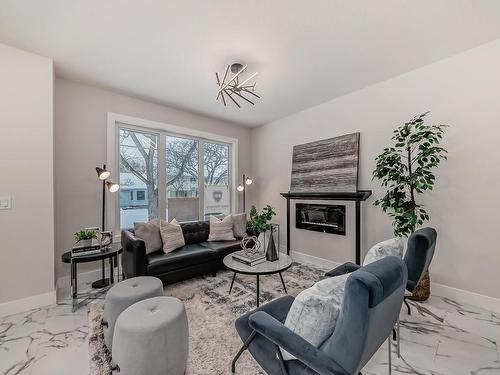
[348, 267]
[134, 259]
[288, 340]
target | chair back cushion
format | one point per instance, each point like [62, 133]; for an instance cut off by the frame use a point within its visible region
[372, 301]
[419, 254]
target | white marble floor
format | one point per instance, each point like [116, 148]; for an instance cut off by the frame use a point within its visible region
[440, 337]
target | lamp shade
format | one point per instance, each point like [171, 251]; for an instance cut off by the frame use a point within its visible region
[240, 188]
[112, 186]
[102, 174]
[248, 181]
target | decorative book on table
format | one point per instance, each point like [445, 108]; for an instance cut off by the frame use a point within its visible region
[249, 259]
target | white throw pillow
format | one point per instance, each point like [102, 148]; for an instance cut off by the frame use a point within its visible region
[171, 235]
[240, 225]
[221, 230]
[393, 246]
[314, 311]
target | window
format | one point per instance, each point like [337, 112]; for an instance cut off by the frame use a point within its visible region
[171, 176]
[216, 176]
[138, 170]
[182, 165]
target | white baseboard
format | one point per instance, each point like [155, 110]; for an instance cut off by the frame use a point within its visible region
[28, 303]
[459, 295]
[322, 263]
[466, 297]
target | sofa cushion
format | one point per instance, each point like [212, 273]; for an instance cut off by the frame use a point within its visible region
[195, 232]
[222, 248]
[150, 234]
[188, 255]
[171, 234]
[221, 230]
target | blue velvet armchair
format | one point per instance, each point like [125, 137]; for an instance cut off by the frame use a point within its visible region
[418, 257]
[372, 301]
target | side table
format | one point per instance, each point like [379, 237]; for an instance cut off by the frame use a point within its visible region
[111, 252]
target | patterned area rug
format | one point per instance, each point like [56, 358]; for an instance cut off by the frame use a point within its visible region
[211, 311]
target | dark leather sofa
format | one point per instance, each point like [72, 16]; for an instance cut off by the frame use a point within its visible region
[197, 257]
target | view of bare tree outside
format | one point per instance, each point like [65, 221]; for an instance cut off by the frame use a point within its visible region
[183, 202]
[138, 177]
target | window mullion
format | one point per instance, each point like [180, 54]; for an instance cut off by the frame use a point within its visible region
[162, 176]
[201, 178]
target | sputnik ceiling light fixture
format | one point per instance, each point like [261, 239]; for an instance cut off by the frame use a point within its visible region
[236, 87]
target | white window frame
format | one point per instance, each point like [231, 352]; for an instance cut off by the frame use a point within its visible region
[116, 121]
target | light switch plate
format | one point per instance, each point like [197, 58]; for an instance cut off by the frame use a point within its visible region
[5, 203]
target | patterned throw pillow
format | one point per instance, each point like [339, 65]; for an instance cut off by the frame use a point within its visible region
[221, 230]
[171, 235]
[240, 225]
[393, 246]
[150, 234]
[314, 311]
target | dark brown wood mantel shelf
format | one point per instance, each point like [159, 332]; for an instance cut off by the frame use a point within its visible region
[357, 197]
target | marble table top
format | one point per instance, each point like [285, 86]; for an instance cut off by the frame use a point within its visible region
[284, 262]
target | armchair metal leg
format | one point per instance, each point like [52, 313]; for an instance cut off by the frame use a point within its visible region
[390, 356]
[399, 351]
[407, 305]
[284, 371]
[243, 348]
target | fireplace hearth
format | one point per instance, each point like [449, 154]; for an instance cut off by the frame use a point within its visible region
[326, 218]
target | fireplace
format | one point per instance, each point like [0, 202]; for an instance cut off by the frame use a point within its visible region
[326, 218]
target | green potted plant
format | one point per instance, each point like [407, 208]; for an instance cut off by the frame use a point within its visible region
[259, 222]
[405, 169]
[85, 237]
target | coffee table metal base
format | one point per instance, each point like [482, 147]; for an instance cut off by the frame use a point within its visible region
[258, 285]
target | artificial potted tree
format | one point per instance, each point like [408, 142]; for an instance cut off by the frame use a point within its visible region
[405, 169]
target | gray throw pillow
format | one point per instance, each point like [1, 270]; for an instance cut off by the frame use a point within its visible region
[314, 311]
[240, 225]
[150, 234]
[171, 235]
[221, 230]
[393, 246]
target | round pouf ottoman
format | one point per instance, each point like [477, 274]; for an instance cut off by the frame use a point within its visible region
[151, 338]
[123, 295]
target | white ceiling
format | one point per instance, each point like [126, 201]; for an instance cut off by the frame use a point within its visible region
[307, 52]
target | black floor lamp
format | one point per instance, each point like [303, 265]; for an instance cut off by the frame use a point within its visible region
[113, 187]
[243, 188]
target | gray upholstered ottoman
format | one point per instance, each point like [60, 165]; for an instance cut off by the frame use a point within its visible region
[123, 295]
[151, 338]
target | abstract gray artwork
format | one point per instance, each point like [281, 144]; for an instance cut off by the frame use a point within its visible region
[326, 166]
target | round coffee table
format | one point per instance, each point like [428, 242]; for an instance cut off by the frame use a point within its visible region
[266, 268]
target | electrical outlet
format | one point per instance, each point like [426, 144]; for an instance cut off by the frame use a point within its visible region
[5, 203]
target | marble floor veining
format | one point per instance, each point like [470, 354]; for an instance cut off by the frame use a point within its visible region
[440, 337]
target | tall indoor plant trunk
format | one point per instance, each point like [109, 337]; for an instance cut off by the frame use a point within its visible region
[405, 169]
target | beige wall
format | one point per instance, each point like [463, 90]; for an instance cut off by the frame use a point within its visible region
[462, 91]
[26, 174]
[80, 145]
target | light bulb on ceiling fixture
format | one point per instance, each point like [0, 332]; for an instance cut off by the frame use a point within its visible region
[102, 174]
[112, 186]
[240, 188]
[248, 181]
